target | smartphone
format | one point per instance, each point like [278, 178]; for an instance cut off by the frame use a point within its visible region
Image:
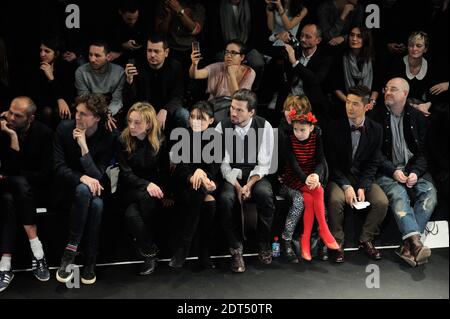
[131, 61]
[195, 46]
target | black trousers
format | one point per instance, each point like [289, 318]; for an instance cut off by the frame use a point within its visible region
[140, 216]
[262, 195]
[16, 207]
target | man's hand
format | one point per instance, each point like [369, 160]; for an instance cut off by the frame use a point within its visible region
[336, 41]
[423, 107]
[7, 130]
[155, 191]
[48, 70]
[130, 72]
[350, 196]
[361, 195]
[246, 192]
[412, 180]
[93, 184]
[80, 136]
[291, 53]
[111, 123]
[161, 117]
[400, 177]
[63, 109]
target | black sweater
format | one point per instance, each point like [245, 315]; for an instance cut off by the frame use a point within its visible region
[70, 165]
[143, 166]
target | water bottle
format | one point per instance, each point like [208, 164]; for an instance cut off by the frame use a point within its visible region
[276, 247]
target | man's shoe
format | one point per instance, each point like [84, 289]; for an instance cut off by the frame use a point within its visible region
[404, 253]
[5, 279]
[148, 266]
[65, 272]
[287, 253]
[418, 250]
[40, 269]
[370, 250]
[237, 260]
[88, 276]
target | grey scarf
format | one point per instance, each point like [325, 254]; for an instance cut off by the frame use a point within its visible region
[232, 27]
[352, 72]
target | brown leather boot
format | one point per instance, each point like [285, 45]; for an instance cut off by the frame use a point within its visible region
[404, 253]
[418, 250]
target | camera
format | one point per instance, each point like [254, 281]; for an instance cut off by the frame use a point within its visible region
[271, 7]
[294, 42]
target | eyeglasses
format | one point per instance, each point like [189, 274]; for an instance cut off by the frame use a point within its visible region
[391, 89]
[232, 53]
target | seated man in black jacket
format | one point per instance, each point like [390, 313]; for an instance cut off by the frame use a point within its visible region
[354, 154]
[158, 81]
[25, 156]
[83, 149]
[403, 172]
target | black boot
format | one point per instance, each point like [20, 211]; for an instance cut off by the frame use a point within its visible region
[287, 253]
[88, 276]
[207, 232]
[149, 264]
[179, 257]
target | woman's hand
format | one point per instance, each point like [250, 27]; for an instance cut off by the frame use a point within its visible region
[155, 191]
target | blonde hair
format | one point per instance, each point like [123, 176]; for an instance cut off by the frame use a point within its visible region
[418, 35]
[148, 115]
[299, 102]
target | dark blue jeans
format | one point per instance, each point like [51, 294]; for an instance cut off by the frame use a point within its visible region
[85, 218]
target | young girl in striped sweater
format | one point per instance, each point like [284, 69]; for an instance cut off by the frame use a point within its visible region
[305, 171]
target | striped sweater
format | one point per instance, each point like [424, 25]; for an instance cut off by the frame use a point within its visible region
[305, 153]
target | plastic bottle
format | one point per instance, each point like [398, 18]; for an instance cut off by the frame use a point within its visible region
[276, 247]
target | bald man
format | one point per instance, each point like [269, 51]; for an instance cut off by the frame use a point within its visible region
[403, 175]
[25, 156]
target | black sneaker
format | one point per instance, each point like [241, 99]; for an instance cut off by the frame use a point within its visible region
[5, 279]
[40, 269]
[148, 266]
[88, 276]
[65, 271]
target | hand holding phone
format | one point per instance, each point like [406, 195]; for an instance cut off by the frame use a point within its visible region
[195, 46]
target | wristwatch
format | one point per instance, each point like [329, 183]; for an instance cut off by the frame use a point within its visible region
[181, 13]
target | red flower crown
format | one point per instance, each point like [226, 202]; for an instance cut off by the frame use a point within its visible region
[308, 118]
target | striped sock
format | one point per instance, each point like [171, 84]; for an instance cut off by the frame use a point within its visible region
[72, 248]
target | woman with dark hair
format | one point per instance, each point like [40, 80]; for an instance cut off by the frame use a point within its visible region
[144, 173]
[356, 67]
[52, 85]
[198, 181]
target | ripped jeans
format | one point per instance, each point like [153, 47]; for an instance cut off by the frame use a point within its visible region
[410, 220]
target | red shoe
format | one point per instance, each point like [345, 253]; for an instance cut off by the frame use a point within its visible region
[333, 245]
[306, 248]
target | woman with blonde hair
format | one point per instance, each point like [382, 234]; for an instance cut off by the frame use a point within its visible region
[144, 171]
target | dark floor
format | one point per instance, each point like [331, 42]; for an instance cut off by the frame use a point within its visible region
[319, 279]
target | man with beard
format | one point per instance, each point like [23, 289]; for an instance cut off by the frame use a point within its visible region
[83, 149]
[25, 156]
